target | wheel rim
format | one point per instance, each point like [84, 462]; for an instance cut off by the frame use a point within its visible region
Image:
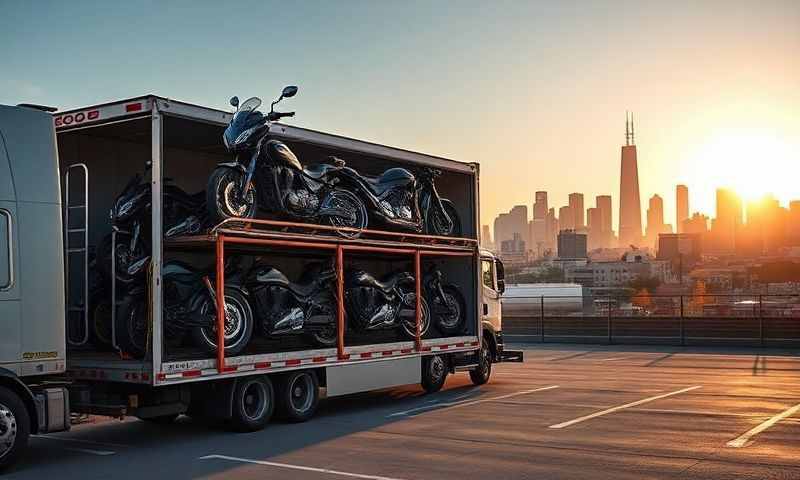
[450, 312]
[232, 202]
[301, 394]
[234, 323]
[484, 359]
[8, 430]
[254, 400]
[350, 203]
[436, 368]
[327, 334]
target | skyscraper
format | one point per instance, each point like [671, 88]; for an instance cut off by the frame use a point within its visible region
[566, 218]
[486, 237]
[630, 208]
[594, 228]
[655, 220]
[603, 202]
[576, 204]
[681, 206]
[540, 205]
[727, 222]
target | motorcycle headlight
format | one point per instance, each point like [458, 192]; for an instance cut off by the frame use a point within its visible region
[125, 208]
[244, 136]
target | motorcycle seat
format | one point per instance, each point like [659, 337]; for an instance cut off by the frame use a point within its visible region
[364, 279]
[273, 276]
[320, 170]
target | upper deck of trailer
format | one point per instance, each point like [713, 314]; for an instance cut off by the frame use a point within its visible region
[144, 106]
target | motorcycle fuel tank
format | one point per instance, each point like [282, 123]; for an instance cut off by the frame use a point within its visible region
[280, 153]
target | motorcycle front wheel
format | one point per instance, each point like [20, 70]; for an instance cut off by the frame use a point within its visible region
[450, 315]
[408, 317]
[438, 225]
[325, 337]
[122, 254]
[356, 218]
[224, 197]
[238, 324]
[132, 326]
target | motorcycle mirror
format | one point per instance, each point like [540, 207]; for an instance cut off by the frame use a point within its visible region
[235, 102]
[148, 165]
[289, 91]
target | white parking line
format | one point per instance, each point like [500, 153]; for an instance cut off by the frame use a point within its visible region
[452, 405]
[622, 407]
[101, 453]
[744, 439]
[296, 467]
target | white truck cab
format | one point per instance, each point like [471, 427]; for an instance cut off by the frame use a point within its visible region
[493, 286]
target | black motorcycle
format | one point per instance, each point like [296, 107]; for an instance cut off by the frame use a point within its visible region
[446, 301]
[266, 173]
[190, 307]
[373, 304]
[183, 214]
[307, 307]
[398, 198]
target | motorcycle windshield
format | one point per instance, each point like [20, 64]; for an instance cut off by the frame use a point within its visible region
[243, 119]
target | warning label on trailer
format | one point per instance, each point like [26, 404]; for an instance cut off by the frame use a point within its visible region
[39, 355]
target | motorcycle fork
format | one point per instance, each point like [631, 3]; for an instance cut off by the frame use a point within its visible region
[211, 291]
[248, 178]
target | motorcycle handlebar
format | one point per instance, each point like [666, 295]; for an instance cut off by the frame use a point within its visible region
[278, 115]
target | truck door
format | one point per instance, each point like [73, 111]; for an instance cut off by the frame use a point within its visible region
[491, 297]
[9, 287]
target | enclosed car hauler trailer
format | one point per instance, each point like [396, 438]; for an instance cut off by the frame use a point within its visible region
[99, 148]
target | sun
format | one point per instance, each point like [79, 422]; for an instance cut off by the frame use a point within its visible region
[752, 162]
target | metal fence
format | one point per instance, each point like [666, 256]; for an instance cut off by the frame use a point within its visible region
[736, 320]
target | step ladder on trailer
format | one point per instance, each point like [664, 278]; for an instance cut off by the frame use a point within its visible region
[76, 253]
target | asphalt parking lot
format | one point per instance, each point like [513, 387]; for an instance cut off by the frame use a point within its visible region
[567, 412]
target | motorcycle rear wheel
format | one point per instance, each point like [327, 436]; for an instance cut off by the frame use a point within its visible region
[408, 317]
[122, 255]
[450, 318]
[132, 327]
[224, 198]
[238, 324]
[349, 201]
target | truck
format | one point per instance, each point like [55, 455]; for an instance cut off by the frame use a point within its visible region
[60, 173]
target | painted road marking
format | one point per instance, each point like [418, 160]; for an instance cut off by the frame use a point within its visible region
[101, 453]
[452, 405]
[744, 439]
[296, 467]
[622, 407]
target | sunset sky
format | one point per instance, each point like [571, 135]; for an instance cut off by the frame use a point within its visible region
[534, 91]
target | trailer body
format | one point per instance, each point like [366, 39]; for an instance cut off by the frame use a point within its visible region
[46, 355]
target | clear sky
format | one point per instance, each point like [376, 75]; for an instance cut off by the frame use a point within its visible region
[534, 91]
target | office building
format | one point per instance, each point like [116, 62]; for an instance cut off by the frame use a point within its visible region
[630, 208]
[681, 206]
[571, 245]
[576, 205]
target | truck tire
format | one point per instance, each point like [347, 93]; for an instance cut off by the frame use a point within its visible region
[253, 404]
[434, 373]
[480, 375]
[298, 396]
[15, 427]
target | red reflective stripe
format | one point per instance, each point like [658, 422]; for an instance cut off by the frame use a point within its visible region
[291, 363]
[444, 347]
[406, 350]
[459, 345]
[387, 353]
[263, 365]
[318, 359]
[230, 368]
[192, 373]
[161, 376]
[346, 356]
[133, 107]
[366, 355]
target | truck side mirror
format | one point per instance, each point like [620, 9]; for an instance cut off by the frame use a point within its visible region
[501, 275]
[501, 286]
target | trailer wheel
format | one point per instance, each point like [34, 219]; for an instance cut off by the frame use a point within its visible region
[298, 396]
[253, 404]
[14, 427]
[480, 374]
[434, 373]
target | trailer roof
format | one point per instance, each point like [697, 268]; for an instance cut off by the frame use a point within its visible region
[136, 107]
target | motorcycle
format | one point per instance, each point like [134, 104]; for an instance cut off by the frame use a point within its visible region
[183, 214]
[266, 173]
[372, 304]
[307, 307]
[190, 307]
[446, 301]
[398, 198]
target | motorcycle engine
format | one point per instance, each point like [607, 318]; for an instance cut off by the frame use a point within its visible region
[302, 201]
[398, 204]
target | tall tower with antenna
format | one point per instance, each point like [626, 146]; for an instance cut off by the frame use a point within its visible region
[630, 207]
